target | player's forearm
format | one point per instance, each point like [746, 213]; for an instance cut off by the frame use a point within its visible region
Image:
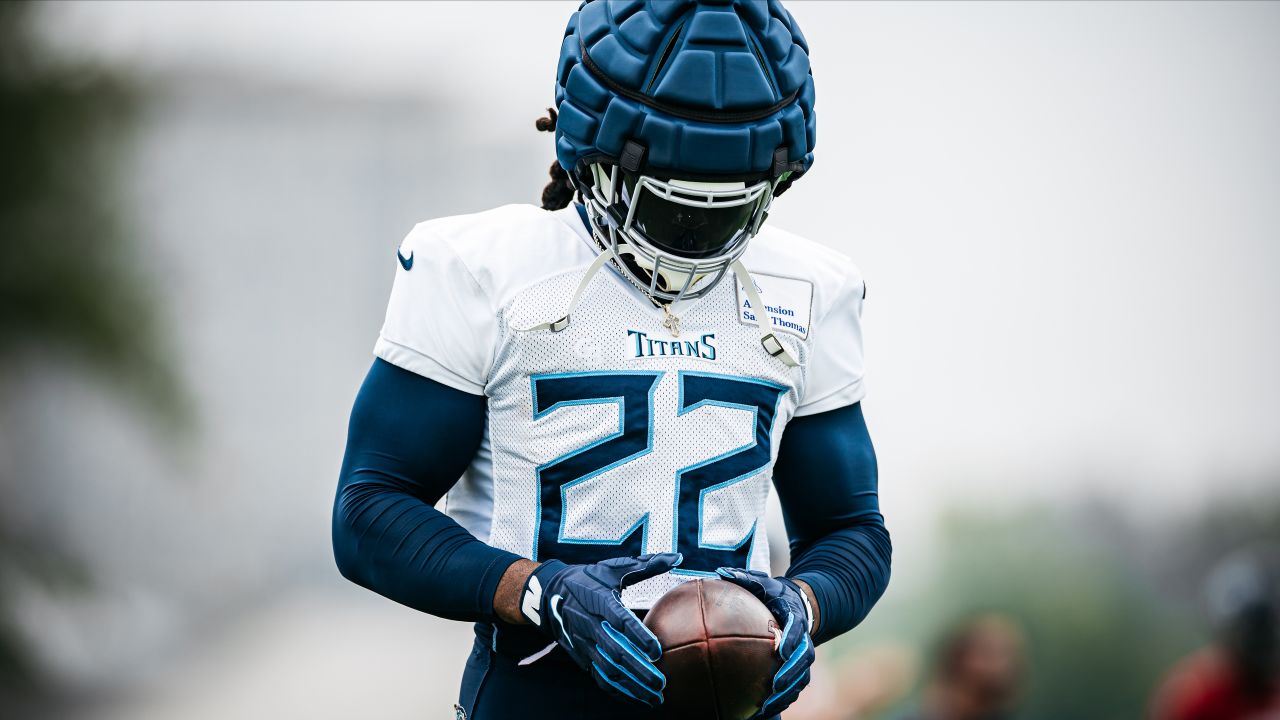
[847, 572]
[406, 550]
[826, 478]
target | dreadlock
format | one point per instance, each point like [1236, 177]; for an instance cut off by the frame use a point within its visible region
[560, 191]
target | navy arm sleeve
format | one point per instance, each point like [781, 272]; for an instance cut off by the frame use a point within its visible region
[826, 480]
[408, 442]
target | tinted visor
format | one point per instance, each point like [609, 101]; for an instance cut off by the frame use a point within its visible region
[685, 230]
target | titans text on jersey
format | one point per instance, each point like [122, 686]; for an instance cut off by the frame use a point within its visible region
[645, 346]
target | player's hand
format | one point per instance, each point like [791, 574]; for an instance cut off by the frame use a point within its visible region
[786, 601]
[580, 607]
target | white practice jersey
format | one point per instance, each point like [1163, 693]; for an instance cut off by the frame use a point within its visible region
[617, 436]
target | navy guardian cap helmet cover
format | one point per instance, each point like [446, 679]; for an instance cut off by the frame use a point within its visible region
[702, 89]
[678, 121]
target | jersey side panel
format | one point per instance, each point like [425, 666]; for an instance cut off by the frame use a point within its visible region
[470, 501]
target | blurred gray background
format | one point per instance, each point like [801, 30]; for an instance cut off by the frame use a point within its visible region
[1067, 215]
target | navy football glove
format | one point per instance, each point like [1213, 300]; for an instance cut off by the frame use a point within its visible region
[580, 607]
[788, 604]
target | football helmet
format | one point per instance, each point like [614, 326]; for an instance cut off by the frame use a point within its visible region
[678, 122]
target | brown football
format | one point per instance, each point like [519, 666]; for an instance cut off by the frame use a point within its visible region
[718, 650]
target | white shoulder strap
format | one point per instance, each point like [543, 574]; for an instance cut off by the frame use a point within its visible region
[592, 269]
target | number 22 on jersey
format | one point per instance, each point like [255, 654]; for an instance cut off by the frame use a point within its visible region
[634, 395]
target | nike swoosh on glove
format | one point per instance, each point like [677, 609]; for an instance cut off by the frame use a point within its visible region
[789, 606]
[580, 607]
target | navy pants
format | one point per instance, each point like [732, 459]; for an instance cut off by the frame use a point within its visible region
[495, 687]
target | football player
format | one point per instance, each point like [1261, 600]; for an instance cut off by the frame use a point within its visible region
[603, 389]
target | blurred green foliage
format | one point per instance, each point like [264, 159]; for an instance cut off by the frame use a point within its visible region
[67, 281]
[1100, 635]
[69, 285]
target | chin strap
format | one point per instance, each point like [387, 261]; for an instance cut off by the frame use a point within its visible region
[768, 340]
[771, 344]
